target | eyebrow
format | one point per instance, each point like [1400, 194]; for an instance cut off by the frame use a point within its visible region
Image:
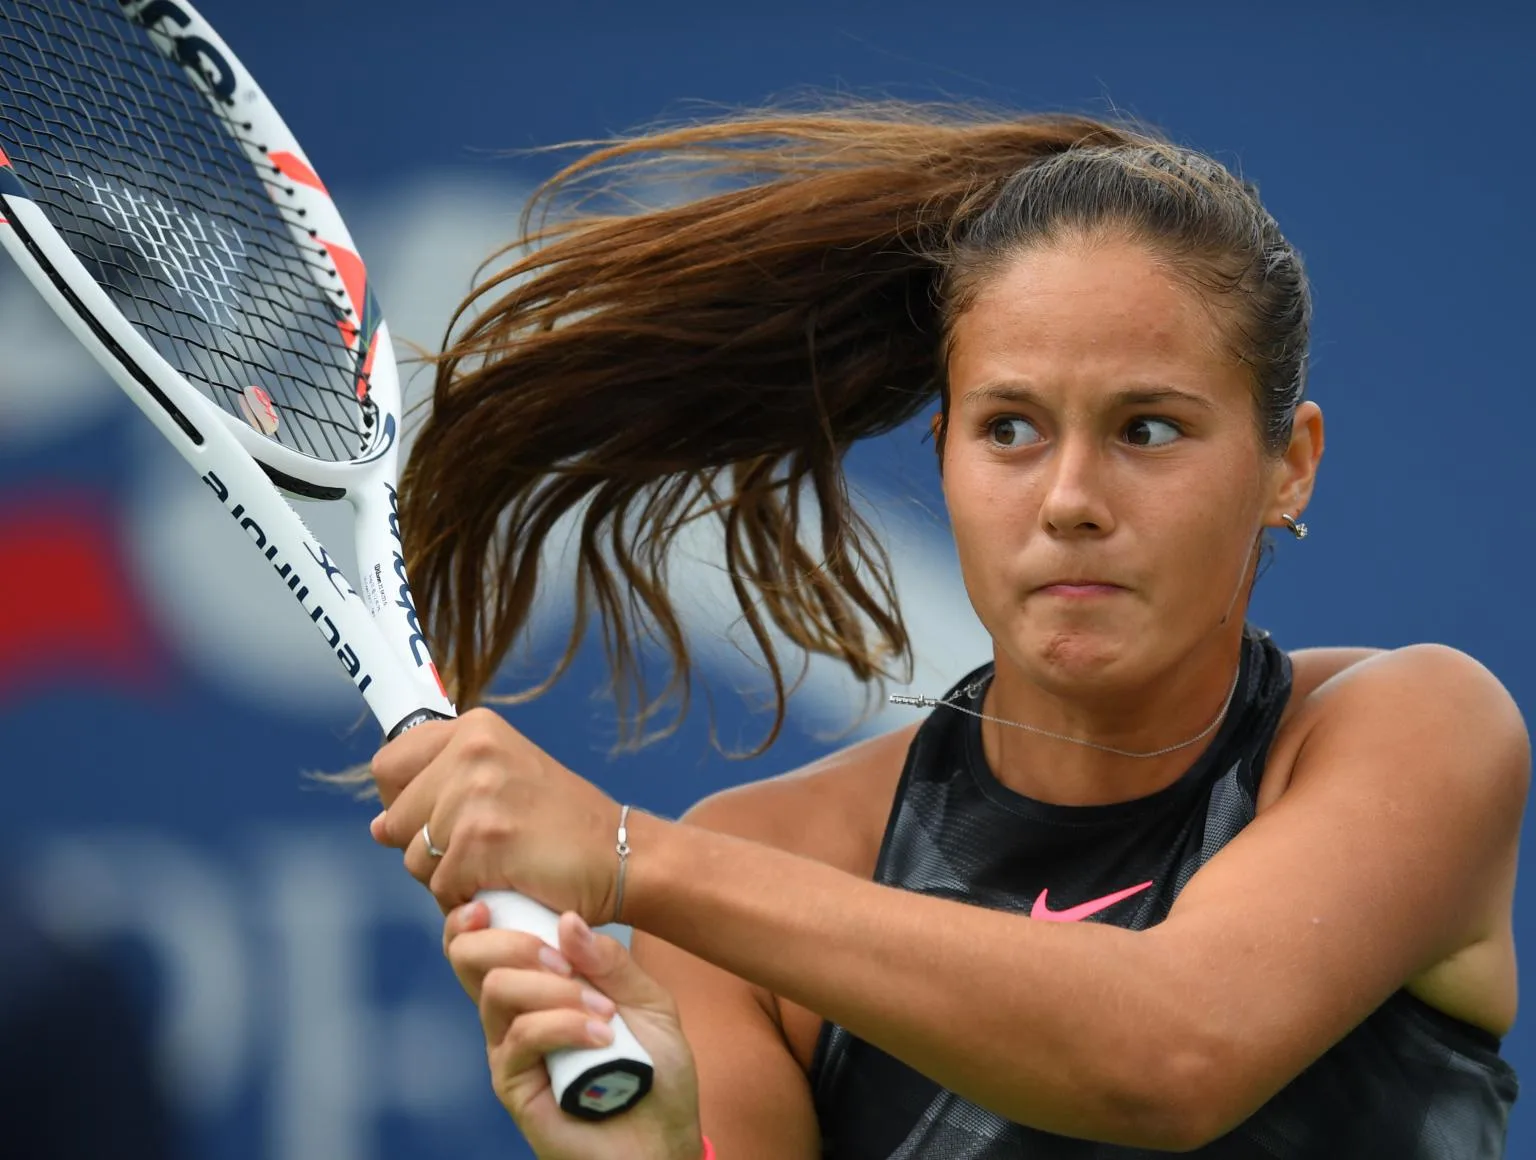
[1130, 397]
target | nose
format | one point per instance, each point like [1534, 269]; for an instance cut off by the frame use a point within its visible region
[1075, 502]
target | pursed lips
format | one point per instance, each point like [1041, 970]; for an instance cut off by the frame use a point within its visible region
[1079, 588]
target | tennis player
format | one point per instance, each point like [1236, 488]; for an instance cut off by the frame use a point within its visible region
[1142, 880]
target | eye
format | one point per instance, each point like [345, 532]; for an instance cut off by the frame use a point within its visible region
[1012, 431]
[1149, 432]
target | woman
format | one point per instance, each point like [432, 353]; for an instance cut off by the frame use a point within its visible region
[1141, 882]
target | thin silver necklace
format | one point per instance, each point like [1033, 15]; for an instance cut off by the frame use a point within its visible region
[971, 689]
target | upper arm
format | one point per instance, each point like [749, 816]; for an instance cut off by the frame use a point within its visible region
[754, 1099]
[1383, 857]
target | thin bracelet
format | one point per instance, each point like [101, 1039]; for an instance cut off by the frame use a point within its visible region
[621, 847]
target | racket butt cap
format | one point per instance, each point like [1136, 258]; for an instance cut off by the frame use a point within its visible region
[607, 1089]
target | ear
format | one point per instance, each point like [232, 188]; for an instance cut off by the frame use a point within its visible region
[1295, 472]
[936, 426]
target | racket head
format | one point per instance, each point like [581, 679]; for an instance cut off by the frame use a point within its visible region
[154, 154]
[152, 193]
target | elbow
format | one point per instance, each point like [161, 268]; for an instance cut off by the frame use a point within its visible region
[1186, 1130]
[1185, 1095]
[1192, 1130]
[1186, 1072]
[1164, 1112]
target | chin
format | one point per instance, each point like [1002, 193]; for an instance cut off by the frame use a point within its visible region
[1066, 657]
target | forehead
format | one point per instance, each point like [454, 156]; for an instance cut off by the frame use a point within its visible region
[1092, 313]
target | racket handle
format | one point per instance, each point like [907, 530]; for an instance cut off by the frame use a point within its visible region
[590, 1082]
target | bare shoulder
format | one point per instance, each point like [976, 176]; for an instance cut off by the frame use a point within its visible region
[1310, 667]
[833, 810]
[1385, 696]
[1441, 687]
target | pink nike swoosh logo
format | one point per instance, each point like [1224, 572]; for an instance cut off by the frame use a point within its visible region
[1043, 913]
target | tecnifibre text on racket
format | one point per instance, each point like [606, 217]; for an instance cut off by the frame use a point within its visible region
[152, 195]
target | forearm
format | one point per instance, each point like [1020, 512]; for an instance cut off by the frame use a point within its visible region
[1073, 1028]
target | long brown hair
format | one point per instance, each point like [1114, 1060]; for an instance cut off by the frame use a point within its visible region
[633, 370]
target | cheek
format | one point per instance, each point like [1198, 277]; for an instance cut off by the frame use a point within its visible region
[991, 517]
[1200, 538]
[980, 506]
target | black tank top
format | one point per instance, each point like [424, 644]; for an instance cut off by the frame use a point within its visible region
[1409, 1083]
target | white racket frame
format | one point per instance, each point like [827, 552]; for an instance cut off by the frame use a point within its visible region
[375, 636]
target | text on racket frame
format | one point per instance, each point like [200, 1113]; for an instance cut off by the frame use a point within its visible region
[344, 652]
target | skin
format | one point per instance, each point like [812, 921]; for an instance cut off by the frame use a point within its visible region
[757, 911]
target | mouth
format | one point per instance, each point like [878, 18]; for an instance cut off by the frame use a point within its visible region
[1078, 588]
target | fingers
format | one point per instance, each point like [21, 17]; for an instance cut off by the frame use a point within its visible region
[519, 981]
[479, 747]
[463, 919]
[606, 963]
[502, 815]
[475, 954]
[409, 786]
[510, 973]
[420, 863]
[397, 763]
[524, 1007]
[481, 843]
[534, 1036]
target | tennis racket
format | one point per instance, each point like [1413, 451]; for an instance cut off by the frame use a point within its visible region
[155, 199]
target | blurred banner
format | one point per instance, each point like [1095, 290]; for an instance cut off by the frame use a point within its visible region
[156, 735]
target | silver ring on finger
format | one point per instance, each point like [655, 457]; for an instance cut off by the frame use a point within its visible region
[426, 836]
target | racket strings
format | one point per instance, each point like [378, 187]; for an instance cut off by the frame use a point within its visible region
[147, 181]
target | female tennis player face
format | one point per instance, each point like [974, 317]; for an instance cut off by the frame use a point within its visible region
[1103, 467]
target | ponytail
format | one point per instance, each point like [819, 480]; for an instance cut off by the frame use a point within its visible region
[631, 373]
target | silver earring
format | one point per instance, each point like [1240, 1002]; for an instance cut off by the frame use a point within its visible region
[1297, 529]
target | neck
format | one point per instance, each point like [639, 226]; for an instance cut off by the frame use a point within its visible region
[1166, 709]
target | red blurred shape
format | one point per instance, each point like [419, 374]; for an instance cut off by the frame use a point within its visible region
[295, 170]
[354, 275]
[68, 611]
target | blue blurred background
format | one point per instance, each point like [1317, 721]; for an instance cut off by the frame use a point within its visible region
[154, 796]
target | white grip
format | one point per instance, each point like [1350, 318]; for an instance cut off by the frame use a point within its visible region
[591, 1082]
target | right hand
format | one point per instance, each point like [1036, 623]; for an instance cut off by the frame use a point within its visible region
[529, 1007]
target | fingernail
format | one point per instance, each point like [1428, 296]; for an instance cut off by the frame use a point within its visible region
[597, 1003]
[600, 1033]
[584, 936]
[554, 960]
[468, 914]
[376, 827]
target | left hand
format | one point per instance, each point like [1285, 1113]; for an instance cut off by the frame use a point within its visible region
[533, 999]
[505, 813]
